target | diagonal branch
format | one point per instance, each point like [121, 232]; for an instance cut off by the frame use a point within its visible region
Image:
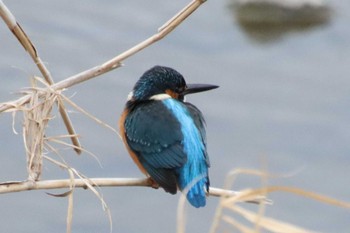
[116, 61]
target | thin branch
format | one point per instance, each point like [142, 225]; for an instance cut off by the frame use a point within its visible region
[116, 61]
[22, 37]
[10, 187]
[69, 218]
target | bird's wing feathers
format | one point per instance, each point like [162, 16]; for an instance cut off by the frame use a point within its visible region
[155, 135]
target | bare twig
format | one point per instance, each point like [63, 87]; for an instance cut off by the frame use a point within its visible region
[116, 61]
[22, 37]
[70, 204]
[10, 187]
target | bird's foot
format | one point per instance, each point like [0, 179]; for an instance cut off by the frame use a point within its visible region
[153, 183]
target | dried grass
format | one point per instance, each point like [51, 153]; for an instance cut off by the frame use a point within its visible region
[89, 184]
[230, 209]
[36, 116]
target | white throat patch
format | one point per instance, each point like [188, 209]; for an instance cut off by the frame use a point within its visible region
[130, 95]
[160, 97]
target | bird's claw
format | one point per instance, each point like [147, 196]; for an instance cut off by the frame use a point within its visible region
[152, 183]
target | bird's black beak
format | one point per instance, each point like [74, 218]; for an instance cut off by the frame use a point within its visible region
[194, 88]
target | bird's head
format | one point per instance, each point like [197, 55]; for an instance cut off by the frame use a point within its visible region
[162, 82]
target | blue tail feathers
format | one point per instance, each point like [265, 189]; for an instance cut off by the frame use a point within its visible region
[195, 189]
[196, 194]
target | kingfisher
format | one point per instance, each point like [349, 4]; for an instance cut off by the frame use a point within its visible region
[165, 136]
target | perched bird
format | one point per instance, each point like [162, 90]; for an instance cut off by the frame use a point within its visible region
[165, 135]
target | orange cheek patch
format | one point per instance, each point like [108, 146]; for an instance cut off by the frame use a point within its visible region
[172, 94]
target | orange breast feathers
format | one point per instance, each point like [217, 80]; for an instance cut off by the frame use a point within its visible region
[123, 135]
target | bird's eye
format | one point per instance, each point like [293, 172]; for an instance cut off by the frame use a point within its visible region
[180, 90]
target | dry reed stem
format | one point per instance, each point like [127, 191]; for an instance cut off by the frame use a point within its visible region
[229, 181]
[10, 187]
[100, 122]
[270, 224]
[90, 183]
[239, 226]
[36, 118]
[297, 191]
[69, 219]
[259, 221]
[52, 149]
[20, 186]
[116, 61]
[27, 44]
[181, 214]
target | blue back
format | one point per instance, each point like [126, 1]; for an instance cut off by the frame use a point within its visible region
[193, 175]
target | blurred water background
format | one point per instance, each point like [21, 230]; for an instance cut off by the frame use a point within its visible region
[282, 106]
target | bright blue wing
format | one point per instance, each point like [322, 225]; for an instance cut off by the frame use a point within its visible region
[193, 175]
[200, 124]
[196, 195]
